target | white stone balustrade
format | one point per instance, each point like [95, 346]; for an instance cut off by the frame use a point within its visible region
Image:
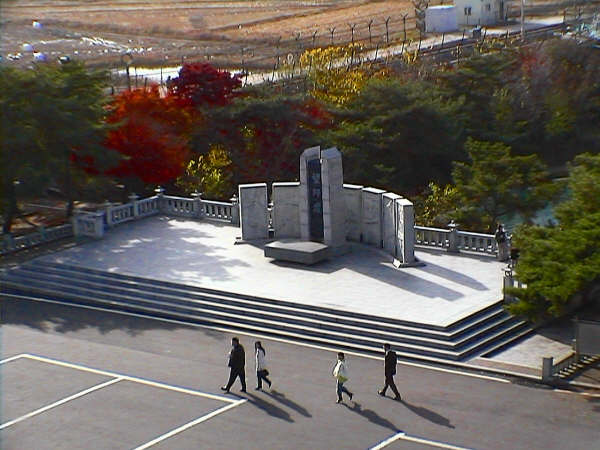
[477, 242]
[212, 209]
[432, 237]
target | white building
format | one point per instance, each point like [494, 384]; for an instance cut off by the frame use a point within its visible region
[479, 12]
[441, 19]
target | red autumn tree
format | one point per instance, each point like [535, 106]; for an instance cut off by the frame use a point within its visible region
[152, 132]
[200, 84]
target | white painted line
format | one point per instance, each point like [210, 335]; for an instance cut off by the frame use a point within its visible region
[275, 339]
[129, 378]
[12, 358]
[60, 402]
[190, 424]
[405, 437]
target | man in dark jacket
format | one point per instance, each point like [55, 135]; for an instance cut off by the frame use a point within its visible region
[390, 370]
[237, 363]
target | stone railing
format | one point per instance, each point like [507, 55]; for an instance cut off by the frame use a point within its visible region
[454, 240]
[10, 244]
[95, 224]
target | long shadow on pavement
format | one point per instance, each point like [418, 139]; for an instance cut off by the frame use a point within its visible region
[281, 398]
[371, 416]
[432, 416]
[269, 408]
[47, 317]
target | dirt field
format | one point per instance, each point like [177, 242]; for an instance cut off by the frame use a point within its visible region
[167, 32]
[157, 31]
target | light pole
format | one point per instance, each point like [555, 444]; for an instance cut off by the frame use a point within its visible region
[127, 59]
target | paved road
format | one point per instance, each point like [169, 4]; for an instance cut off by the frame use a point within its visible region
[123, 409]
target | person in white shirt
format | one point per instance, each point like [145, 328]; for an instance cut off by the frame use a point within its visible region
[340, 372]
[261, 366]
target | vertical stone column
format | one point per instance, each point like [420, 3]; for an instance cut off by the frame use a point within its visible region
[286, 210]
[390, 223]
[308, 154]
[334, 203]
[235, 210]
[353, 201]
[371, 216]
[107, 206]
[197, 202]
[453, 238]
[405, 237]
[253, 211]
[133, 198]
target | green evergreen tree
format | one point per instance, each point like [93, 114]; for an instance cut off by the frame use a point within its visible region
[495, 184]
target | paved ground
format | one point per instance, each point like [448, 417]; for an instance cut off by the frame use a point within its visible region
[447, 288]
[102, 380]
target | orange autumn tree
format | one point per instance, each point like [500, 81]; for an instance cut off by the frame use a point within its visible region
[152, 132]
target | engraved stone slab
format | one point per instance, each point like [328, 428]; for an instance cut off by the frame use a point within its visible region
[405, 231]
[353, 200]
[307, 155]
[286, 210]
[371, 216]
[390, 222]
[334, 203]
[253, 211]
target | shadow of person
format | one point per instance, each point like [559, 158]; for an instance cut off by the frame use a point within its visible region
[428, 414]
[281, 398]
[269, 408]
[371, 416]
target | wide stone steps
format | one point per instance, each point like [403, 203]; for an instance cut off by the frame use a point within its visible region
[73, 284]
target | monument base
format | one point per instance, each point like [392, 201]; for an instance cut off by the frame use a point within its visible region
[301, 252]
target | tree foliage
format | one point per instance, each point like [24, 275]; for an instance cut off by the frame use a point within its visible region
[558, 263]
[494, 183]
[202, 85]
[334, 78]
[52, 126]
[209, 174]
[263, 136]
[398, 136]
[152, 133]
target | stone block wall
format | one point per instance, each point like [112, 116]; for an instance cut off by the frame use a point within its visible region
[371, 216]
[353, 200]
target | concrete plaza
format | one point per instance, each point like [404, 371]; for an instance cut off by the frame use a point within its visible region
[202, 253]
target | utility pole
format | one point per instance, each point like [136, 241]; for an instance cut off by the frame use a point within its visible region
[522, 20]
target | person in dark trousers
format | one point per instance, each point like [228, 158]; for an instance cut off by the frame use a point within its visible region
[340, 372]
[261, 366]
[390, 370]
[237, 363]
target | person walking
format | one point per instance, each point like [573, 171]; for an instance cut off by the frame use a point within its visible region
[340, 372]
[390, 370]
[237, 363]
[261, 366]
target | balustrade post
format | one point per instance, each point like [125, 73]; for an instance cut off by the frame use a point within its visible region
[98, 225]
[107, 206]
[453, 238]
[235, 210]
[197, 199]
[75, 224]
[508, 281]
[9, 241]
[133, 198]
[160, 192]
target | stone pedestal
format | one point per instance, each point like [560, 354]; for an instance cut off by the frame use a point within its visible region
[253, 211]
[286, 210]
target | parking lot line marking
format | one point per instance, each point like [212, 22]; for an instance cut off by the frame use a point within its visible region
[129, 378]
[60, 402]
[13, 358]
[190, 424]
[405, 437]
